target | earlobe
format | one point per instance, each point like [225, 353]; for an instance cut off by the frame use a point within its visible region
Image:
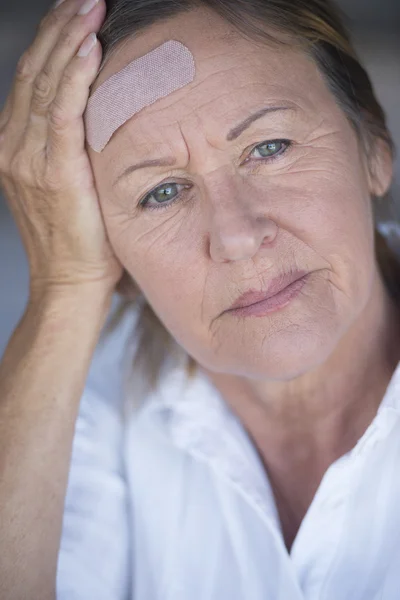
[380, 172]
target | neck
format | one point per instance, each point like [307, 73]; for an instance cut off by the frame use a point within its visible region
[301, 427]
[326, 411]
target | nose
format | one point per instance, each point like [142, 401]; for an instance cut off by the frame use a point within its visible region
[239, 225]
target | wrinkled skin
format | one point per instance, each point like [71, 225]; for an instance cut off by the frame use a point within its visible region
[241, 224]
[306, 380]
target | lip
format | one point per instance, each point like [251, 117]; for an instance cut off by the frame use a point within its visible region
[276, 285]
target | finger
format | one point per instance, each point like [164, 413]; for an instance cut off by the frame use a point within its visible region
[66, 126]
[34, 58]
[4, 143]
[5, 112]
[47, 82]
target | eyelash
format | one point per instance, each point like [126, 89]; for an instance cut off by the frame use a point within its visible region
[143, 205]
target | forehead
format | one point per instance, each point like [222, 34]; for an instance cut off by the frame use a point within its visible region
[233, 73]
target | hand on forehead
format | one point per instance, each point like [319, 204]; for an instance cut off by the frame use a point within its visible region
[142, 82]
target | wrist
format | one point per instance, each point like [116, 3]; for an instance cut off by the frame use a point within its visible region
[70, 293]
[85, 303]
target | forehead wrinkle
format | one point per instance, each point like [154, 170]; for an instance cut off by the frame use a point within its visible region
[292, 110]
[281, 94]
[182, 94]
[269, 94]
[164, 120]
[208, 79]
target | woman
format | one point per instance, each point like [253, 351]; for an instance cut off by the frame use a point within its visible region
[262, 459]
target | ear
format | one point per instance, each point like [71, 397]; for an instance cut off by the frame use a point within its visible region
[380, 171]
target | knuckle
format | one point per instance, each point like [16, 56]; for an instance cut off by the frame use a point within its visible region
[58, 112]
[25, 72]
[68, 38]
[43, 89]
[26, 170]
[20, 168]
[58, 117]
[69, 80]
[16, 166]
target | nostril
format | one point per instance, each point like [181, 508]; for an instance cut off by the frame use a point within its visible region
[268, 241]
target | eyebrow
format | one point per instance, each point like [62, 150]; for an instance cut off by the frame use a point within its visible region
[232, 135]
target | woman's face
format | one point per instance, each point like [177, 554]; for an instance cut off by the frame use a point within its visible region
[232, 215]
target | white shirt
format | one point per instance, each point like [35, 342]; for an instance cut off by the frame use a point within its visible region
[174, 504]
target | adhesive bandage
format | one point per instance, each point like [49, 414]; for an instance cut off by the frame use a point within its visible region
[155, 75]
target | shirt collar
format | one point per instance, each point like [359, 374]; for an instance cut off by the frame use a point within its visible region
[198, 421]
[386, 418]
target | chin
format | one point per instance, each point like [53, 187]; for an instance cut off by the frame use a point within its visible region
[284, 356]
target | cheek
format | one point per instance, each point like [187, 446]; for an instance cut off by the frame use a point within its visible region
[165, 257]
[323, 202]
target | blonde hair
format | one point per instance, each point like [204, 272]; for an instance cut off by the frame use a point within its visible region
[318, 27]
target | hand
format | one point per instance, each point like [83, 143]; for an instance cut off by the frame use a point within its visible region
[45, 170]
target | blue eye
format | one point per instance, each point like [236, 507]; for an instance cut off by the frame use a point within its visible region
[163, 194]
[272, 148]
[166, 194]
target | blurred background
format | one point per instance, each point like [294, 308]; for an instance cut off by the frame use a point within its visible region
[375, 25]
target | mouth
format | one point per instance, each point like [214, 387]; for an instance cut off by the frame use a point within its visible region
[275, 287]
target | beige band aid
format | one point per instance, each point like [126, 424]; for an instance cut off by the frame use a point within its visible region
[145, 80]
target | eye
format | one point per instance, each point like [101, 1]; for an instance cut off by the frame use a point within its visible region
[272, 148]
[164, 194]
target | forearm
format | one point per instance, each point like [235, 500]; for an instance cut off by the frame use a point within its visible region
[42, 377]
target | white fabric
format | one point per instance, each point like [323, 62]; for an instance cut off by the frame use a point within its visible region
[175, 505]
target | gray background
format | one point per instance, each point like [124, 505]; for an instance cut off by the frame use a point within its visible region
[376, 29]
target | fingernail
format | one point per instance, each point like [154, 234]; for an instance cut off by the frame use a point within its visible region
[87, 7]
[58, 3]
[87, 45]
